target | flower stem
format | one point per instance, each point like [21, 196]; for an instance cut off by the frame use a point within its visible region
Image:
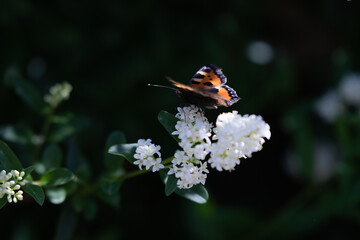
[142, 171]
[44, 134]
[168, 160]
[132, 174]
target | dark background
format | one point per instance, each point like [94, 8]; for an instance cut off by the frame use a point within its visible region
[110, 50]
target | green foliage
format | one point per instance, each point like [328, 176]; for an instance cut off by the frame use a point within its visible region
[111, 198]
[3, 202]
[36, 192]
[56, 177]
[28, 171]
[170, 184]
[114, 162]
[77, 162]
[197, 193]
[169, 121]
[52, 156]
[18, 133]
[126, 151]
[65, 126]
[26, 91]
[8, 160]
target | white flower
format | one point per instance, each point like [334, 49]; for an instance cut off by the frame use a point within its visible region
[157, 165]
[58, 93]
[10, 184]
[350, 88]
[189, 174]
[194, 131]
[329, 106]
[148, 155]
[237, 137]
[180, 157]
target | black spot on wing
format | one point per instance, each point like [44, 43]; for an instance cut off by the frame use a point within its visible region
[212, 90]
[218, 72]
[208, 84]
[198, 75]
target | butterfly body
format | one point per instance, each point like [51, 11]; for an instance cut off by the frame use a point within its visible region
[207, 89]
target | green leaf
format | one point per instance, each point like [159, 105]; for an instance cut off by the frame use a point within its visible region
[114, 162]
[126, 151]
[36, 192]
[170, 185]
[111, 186]
[115, 137]
[169, 121]
[19, 133]
[77, 162]
[8, 160]
[26, 91]
[52, 156]
[65, 126]
[163, 175]
[197, 193]
[28, 170]
[56, 195]
[56, 177]
[3, 201]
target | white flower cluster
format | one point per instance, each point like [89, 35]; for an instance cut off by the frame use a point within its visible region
[10, 184]
[148, 155]
[237, 136]
[194, 132]
[58, 93]
[234, 137]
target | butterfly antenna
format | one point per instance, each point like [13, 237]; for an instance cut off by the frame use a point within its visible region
[161, 86]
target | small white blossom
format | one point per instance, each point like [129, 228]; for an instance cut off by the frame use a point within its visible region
[10, 184]
[58, 93]
[194, 131]
[148, 155]
[189, 174]
[237, 137]
[329, 106]
[180, 157]
[349, 88]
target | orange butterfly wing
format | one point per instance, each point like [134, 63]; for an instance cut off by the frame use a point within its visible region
[227, 93]
[208, 76]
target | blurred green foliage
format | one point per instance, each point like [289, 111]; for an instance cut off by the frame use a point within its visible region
[109, 51]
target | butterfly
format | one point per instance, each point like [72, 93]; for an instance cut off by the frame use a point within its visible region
[206, 89]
